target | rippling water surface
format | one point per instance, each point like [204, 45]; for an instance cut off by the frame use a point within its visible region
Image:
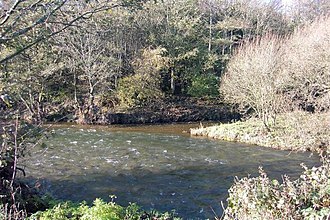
[158, 167]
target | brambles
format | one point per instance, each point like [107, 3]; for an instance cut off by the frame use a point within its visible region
[262, 198]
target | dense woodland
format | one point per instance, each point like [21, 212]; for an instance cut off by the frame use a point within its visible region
[84, 58]
[81, 60]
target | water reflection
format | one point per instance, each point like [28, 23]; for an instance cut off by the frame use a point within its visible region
[157, 167]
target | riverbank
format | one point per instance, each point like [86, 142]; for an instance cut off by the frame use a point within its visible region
[169, 110]
[183, 110]
[298, 131]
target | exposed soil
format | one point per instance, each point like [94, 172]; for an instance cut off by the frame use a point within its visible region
[178, 109]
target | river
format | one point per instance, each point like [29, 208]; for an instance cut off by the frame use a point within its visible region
[159, 167]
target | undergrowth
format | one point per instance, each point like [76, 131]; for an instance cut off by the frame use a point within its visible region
[99, 210]
[262, 198]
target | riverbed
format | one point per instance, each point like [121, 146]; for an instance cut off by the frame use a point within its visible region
[159, 167]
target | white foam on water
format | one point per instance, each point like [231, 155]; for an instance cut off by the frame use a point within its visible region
[109, 160]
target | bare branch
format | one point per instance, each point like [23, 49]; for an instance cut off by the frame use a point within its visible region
[67, 25]
[10, 11]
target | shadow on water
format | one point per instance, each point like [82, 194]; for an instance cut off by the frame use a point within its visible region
[157, 171]
[194, 192]
[189, 192]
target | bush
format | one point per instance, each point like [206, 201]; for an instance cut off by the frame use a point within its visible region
[100, 210]
[272, 75]
[261, 198]
[251, 79]
[306, 68]
[143, 87]
[138, 90]
[204, 85]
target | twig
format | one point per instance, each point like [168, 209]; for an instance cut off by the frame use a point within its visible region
[15, 154]
[45, 37]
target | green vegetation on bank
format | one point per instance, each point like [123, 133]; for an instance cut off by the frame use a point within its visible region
[100, 210]
[298, 131]
[262, 198]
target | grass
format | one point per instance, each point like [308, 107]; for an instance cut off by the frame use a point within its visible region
[299, 131]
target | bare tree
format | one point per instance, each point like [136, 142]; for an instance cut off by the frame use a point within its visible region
[24, 24]
[307, 66]
[90, 57]
[306, 11]
[251, 79]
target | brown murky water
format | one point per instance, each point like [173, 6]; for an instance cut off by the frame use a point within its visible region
[158, 166]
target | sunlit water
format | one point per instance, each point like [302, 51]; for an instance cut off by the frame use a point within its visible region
[158, 167]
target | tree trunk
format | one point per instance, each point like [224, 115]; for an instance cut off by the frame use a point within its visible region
[210, 33]
[172, 81]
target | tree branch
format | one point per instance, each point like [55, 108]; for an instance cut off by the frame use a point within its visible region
[10, 11]
[45, 37]
[39, 21]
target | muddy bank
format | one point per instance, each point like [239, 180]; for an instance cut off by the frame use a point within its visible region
[179, 111]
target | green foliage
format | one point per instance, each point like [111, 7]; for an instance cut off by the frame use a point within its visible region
[100, 210]
[204, 85]
[68, 210]
[143, 87]
[261, 198]
[137, 90]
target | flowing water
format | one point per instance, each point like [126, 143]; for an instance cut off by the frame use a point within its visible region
[159, 167]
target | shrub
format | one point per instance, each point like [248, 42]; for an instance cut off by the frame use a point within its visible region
[306, 68]
[204, 85]
[272, 75]
[100, 210]
[251, 78]
[262, 198]
[143, 86]
[138, 90]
